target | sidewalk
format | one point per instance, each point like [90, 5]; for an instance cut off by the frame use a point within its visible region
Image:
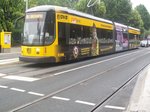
[140, 99]
[12, 50]
[14, 54]
[15, 49]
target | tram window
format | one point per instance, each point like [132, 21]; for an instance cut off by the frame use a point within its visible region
[49, 28]
[125, 37]
[105, 36]
[99, 33]
[75, 33]
[133, 37]
[62, 33]
[86, 38]
[50, 23]
[61, 30]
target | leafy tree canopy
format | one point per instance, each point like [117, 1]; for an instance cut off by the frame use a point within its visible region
[135, 20]
[9, 11]
[99, 9]
[118, 10]
[144, 15]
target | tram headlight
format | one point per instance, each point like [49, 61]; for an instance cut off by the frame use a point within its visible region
[37, 50]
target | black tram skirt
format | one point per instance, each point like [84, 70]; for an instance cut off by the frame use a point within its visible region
[38, 59]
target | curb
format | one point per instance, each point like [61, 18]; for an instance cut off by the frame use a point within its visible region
[140, 99]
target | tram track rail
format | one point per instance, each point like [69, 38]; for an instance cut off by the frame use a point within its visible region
[42, 71]
[118, 90]
[83, 81]
[45, 68]
[28, 67]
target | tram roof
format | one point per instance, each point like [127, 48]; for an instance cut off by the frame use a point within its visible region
[65, 9]
[133, 28]
[121, 25]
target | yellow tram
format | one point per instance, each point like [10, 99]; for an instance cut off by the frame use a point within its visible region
[57, 34]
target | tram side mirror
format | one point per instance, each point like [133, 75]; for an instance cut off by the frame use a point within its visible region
[21, 38]
[18, 25]
[18, 20]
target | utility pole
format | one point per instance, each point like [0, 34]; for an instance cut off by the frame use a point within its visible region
[27, 3]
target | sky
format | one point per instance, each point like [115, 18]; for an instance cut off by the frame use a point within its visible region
[144, 2]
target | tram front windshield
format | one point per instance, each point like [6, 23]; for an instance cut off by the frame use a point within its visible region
[37, 30]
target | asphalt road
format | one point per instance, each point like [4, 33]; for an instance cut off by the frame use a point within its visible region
[102, 84]
[4, 56]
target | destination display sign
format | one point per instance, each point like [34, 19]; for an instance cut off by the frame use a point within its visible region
[35, 16]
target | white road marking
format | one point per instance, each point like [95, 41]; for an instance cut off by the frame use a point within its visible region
[1, 74]
[94, 63]
[8, 61]
[3, 87]
[115, 107]
[20, 78]
[9, 53]
[60, 98]
[86, 103]
[16, 89]
[37, 94]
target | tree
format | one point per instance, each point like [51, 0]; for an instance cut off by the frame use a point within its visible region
[147, 33]
[144, 15]
[82, 6]
[33, 3]
[10, 10]
[45, 2]
[118, 10]
[136, 21]
[98, 9]
[65, 3]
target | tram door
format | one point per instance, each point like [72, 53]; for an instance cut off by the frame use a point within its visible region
[62, 40]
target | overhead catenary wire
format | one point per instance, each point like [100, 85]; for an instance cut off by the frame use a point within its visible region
[90, 5]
